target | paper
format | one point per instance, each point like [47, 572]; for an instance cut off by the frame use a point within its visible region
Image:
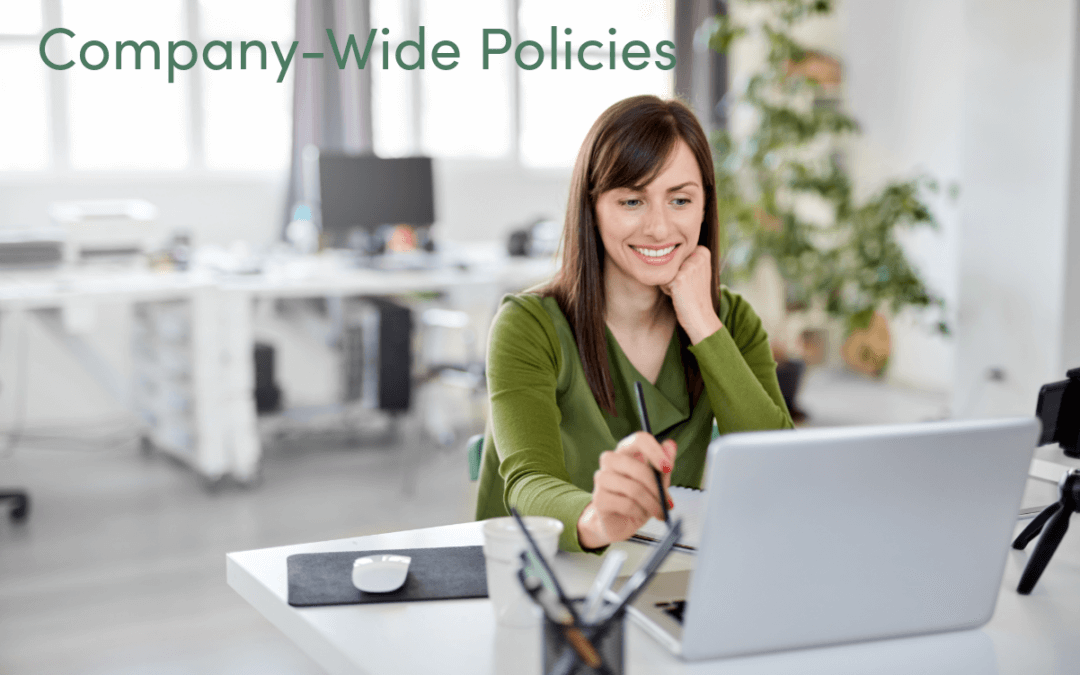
[690, 506]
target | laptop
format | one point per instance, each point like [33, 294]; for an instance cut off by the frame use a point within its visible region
[825, 536]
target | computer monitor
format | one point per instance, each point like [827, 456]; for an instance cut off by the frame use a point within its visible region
[358, 193]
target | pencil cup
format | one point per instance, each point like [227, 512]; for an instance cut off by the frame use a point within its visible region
[503, 544]
[562, 657]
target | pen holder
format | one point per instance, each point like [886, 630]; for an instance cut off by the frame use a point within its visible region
[562, 658]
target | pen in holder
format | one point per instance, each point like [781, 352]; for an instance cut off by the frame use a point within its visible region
[586, 637]
[562, 658]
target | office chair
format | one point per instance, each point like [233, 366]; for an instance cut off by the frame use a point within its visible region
[440, 330]
[20, 508]
[20, 503]
[475, 449]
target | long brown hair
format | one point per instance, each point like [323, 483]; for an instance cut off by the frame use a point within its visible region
[627, 146]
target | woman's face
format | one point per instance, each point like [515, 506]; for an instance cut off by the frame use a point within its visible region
[648, 233]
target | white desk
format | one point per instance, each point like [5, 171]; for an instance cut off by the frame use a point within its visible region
[1039, 633]
[223, 439]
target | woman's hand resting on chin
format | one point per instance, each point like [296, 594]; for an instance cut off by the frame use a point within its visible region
[691, 294]
[624, 493]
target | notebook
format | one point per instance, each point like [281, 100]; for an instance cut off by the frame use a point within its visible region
[690, 506]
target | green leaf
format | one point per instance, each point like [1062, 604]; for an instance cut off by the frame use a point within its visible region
[853, 264]
[724, 33]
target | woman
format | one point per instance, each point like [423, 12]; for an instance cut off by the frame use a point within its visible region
[637, 299]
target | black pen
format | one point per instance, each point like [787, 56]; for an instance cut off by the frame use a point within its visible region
[545, 567]
[639, 579]
[557, 614]
[647, 428]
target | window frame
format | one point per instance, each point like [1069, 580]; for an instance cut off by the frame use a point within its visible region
[58, 127]
[514, 156]
[58, 140]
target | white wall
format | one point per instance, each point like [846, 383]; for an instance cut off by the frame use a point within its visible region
[981, 92]
[1071, 301]
[475, 199]
[478, 200]
[903, 82]
[218, 208]
[1018, 127]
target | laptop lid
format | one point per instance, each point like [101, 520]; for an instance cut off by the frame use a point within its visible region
[823, 536]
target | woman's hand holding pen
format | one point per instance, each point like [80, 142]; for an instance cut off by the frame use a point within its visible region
[691, 295]
[625, 494]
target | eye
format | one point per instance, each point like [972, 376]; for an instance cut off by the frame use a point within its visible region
[630, 203]
[681, 201]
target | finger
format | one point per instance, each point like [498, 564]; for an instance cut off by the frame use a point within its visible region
[670, 448]
[648, 448]
[611, 498]
[631, 467]
[646, 499]
[632, 479]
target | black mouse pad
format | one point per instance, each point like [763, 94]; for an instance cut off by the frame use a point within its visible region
[434, 574]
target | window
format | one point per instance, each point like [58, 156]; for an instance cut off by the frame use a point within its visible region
[558, 106]
[135, 119]
[538, 117]
[247, 120]
[240, 119]
[391, 89]
[127, 118]
[24, 119]
[463, 112]
[465, 108]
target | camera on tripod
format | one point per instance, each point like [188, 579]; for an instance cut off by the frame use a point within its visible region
[1059, 411]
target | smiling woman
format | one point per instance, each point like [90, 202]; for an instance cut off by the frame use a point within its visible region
[637, 299]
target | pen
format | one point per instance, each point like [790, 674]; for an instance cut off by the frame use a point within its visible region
[639, 579]
[647, 428]
[613, 562]
[544, 565]
[558, 613]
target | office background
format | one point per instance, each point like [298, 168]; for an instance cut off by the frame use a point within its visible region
[121, 555]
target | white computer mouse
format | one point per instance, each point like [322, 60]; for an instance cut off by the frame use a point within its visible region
[380, 573]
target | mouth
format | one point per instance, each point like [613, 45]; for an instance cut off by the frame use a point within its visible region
[654, 255]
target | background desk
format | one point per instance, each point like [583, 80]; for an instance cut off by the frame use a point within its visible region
[205, 322]
[1035, 634]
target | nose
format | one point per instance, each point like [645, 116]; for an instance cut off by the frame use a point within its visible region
[656, 223]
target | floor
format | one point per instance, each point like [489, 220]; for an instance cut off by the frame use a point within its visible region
[120, 567]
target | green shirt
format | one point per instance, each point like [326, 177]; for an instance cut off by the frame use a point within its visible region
[547, 431]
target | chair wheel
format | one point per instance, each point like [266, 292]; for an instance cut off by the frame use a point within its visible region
[21, 509]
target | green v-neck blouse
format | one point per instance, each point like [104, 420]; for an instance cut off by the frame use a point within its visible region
[547, 431]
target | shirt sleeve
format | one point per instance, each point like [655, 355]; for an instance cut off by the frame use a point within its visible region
[740, 374]
[524, 358]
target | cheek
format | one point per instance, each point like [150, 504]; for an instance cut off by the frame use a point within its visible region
[691, 226]
[614, 228]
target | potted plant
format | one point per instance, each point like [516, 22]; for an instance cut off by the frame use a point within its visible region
[844, 257]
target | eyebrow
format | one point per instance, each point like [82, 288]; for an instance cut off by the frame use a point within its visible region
[676, 188]
[683, 185]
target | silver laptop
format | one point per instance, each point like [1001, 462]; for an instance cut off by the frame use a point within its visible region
[824, 536]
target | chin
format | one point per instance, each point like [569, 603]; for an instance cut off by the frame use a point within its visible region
[657, 277]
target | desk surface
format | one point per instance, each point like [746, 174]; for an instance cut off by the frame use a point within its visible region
[1039, 633]
[310, 276]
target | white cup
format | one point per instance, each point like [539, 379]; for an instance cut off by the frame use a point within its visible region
[503, 544]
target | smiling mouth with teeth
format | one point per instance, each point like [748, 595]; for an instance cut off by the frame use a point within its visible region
[655, 252]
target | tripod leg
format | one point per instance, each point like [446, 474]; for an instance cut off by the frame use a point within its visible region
[1035, 527]
[1044, 550]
